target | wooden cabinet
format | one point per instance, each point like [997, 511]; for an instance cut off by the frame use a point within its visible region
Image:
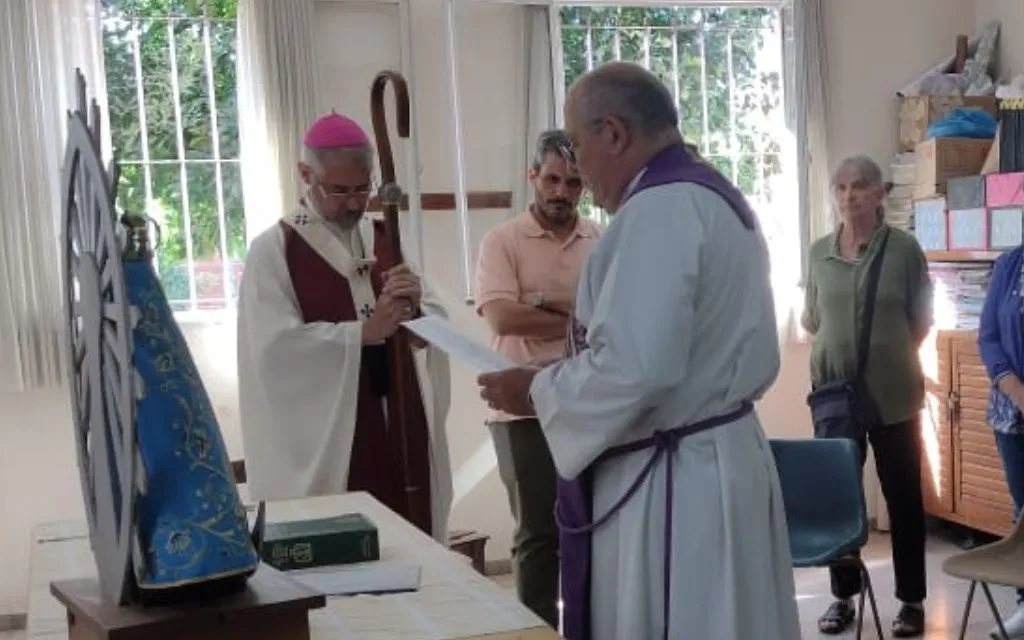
[962, 473]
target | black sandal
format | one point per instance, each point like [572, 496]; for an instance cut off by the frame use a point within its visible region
[837, 618]
[909, 622]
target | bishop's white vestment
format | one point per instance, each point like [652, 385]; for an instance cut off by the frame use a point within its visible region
[306, 382]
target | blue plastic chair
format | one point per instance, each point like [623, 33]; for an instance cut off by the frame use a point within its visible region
[825, 509]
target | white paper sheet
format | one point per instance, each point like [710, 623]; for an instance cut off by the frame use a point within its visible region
[362, 578]
[447, 337]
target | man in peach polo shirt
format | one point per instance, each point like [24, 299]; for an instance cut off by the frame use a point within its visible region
[526, 278]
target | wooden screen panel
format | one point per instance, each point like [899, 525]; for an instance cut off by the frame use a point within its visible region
[982, 498]
[936, 441]
[446, 201]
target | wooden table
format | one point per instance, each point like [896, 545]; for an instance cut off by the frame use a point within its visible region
[454, 602]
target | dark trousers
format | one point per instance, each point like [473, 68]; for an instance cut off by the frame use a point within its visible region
[528, 472]
[897, 450]
[1011, 450]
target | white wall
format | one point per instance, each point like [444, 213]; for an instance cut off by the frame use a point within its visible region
[354, 40]
[876, 47]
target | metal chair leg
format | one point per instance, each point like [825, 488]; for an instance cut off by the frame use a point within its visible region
[995, 611]
[967, 610]
[870, 591]
[860, 609]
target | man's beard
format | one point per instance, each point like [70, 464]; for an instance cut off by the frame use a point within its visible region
[346, 218]
[557, 212]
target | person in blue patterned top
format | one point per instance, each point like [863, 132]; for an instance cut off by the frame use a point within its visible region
[1001, 343]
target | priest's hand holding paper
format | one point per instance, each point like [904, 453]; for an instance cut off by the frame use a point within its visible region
[508, 390]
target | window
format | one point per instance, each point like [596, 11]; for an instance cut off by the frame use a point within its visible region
[724, 67]
[170, 71]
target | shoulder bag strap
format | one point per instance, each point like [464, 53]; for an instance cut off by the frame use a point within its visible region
[864, 343]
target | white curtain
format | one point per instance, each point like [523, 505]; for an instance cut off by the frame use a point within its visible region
[537, 112]
[45, 41]
[277, 98]
[811, 53]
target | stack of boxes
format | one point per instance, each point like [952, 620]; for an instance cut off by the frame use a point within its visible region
[917, 113]
[978, 213]
[952, 204]
[940, 162]
[920, 172]
[899, 208]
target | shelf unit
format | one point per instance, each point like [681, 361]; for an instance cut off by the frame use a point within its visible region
[962, 256]
[962, 473]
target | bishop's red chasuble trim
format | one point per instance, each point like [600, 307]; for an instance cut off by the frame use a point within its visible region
[324, 295]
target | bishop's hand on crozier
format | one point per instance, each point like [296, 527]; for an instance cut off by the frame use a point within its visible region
[386, 319]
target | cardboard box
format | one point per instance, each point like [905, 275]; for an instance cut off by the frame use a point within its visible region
[1004, 189]
[940, 159]
[968, 229]
[1006, 228]
[964, 193]
[992, 161]
[924, 191]
[902, 192]
[930, 224]
[902, 168]
[918, 112]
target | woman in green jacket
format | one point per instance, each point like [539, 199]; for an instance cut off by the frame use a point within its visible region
[833, 314]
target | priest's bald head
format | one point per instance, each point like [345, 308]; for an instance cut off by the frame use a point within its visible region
[337, 166]
[618, 117]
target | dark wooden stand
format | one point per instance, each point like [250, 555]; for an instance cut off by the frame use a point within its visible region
[470, 544]
[273, 607]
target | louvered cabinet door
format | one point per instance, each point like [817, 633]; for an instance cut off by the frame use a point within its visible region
[936, 441]
[982, 500]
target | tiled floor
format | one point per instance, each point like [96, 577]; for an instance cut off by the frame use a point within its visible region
[945, 600]
[944, 605]
[946, 595]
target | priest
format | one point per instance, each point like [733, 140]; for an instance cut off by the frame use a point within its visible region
[319, 297]
[670, 507]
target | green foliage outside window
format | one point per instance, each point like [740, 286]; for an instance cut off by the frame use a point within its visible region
[138, 36]
[690, 48]
[736, 141]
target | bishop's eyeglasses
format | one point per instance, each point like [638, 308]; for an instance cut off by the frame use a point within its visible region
[339, 192]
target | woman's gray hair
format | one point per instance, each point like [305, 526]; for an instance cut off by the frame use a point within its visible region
[867, 170]
[315, 157]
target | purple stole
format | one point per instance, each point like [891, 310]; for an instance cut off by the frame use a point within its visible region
[574, 510]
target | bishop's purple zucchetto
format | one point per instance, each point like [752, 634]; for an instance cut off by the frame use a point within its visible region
[334, 131]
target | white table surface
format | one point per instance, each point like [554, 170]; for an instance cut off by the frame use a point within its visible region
[454, 602]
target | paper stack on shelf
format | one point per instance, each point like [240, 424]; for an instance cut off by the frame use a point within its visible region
[899, 208]
[959, 293]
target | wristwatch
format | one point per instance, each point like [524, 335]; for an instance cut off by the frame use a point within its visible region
[535, 299]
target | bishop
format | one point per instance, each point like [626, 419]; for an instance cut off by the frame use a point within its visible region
[320, 296]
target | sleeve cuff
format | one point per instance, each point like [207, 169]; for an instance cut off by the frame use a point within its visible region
[491, 297]
[540, 392]
[999, 377]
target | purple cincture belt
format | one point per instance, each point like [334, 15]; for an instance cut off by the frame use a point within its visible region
[663, 443]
